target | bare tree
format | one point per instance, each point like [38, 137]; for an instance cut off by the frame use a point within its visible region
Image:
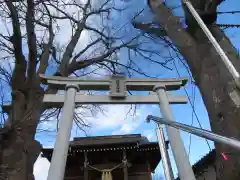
[210, 74]
[30, 44]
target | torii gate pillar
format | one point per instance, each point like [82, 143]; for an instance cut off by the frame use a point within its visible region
[182, 161]
[59, 156]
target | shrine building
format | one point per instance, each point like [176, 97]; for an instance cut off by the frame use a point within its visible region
[117, 157]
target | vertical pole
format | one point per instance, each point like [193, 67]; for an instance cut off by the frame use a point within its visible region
[85, 166]
[179, 152]
[125, 165]
[164, 154]
[169, 162]
[60, 152]
[149, 168]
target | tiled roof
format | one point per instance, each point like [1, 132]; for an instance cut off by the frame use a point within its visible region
[106, 140]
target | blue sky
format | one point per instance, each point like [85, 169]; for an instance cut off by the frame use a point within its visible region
[114, 121]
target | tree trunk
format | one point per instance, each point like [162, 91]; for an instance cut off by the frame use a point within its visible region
[215, 83]
[217, 86]
[19, 149]
[19, 157]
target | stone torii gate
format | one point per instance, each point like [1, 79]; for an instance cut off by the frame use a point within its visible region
[117, 85]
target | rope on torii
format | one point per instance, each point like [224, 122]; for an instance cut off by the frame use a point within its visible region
[107, 173]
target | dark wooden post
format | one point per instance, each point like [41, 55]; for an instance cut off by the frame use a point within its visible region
[125, 165]
[85, 166]
[148, 166]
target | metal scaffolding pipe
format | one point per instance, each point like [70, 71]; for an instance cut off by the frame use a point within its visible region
[164, 154]
[197, 131]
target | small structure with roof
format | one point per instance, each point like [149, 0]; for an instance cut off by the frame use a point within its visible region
[205, 168]
[118, 157]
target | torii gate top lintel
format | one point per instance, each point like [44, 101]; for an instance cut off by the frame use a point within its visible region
[118, 90]
[134, 84]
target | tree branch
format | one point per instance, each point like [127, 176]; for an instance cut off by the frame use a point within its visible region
[76, 65]
[70, 48]
[86, 48]
[46, 48]
[97, 31]
[31, 36]
[18, 77]
[64, 13]
[149, 29]
[212, 7]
